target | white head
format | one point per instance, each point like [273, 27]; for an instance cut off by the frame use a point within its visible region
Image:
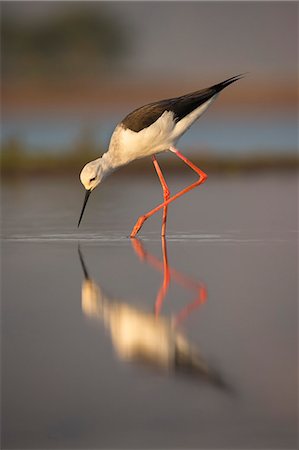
[90, 176]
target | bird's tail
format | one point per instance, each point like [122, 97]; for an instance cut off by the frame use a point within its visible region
[190, 362]
[220, 86]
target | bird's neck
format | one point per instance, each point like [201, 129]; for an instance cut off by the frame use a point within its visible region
[106, 163]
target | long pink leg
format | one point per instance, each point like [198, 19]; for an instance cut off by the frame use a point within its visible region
[202, 178]
[166, 192]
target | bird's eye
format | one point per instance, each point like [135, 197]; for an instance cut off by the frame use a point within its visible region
[92, 179]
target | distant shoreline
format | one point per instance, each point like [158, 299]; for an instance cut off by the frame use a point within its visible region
[22, 164]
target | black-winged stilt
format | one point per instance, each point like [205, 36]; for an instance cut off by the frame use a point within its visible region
[148, 130]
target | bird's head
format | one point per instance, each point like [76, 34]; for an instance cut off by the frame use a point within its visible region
[90, 176]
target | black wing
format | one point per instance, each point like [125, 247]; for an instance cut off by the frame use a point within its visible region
[181, 106]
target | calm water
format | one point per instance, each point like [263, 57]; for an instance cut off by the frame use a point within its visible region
[86, 364]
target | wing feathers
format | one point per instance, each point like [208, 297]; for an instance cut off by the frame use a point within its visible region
[180, 106]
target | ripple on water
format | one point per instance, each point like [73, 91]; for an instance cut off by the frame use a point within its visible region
[120, 237]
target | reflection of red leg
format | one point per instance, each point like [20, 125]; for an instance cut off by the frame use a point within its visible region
[202, 178]
[145, 256]
[164, 288]
[170, 273]
[166, 193]
[139, 249]
[180, 278]
[185, 312]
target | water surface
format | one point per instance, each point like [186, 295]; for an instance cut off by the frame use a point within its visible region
[76, 375]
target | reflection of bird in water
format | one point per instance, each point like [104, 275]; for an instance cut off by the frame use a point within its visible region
[145, 337]
[149, 130]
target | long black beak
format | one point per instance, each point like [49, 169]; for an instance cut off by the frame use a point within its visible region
[84, 205]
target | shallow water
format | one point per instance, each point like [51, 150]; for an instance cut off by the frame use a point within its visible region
[98, 370]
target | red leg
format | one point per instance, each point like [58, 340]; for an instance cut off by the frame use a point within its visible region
[166, 192]
[202, 178]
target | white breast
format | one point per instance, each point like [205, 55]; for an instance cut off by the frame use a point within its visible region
[127, 145]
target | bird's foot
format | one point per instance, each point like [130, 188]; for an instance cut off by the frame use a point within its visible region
[137, 226]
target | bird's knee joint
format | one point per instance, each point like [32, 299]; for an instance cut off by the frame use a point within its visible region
[203, 177]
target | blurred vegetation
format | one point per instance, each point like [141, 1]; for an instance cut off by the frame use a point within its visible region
[17, 161]
[75, 42]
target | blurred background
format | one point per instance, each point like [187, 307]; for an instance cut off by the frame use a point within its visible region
[72, 70]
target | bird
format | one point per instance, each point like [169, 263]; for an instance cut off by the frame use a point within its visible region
[146, 131]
